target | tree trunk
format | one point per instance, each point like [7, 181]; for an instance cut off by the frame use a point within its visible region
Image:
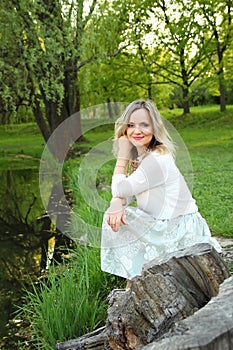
[110, 112]
[222, 90]
[185, 101]
[116, 108]
[168, 290]
[149, 91]
[210, 328]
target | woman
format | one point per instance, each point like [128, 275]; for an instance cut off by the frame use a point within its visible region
[166, 217]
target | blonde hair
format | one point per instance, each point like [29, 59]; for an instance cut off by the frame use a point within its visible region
[161, 141]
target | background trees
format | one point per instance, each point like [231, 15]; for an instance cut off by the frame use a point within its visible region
[59, 56]
[53, 41]
[217, 17]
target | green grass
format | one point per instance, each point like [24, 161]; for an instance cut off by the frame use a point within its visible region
[69, 302]
[210, 144]
[21, 146]
[201, 116]
[208, 135]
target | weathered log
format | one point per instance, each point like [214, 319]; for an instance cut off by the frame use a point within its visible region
[210, 328]
[94, 340]
[168, 290]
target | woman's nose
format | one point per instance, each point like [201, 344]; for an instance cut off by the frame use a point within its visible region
[137, 128]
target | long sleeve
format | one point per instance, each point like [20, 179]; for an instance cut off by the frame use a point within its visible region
[151, 173]
[158, 187]
[116, 180]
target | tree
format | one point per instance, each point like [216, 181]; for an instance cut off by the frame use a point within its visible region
[218, 18]
[128, 76]
[184, 43]
[10, 73]
[56, 40]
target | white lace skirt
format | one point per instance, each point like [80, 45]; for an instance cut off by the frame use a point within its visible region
[123, 253]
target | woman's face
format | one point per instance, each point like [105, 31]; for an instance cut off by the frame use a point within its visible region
[140, 129]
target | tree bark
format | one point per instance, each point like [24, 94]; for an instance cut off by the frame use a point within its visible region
[185, 101]
[168, 290]
[222, 90]
[210, 328]
[110, 112]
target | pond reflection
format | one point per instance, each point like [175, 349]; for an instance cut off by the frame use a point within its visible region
[20, 238]
[18, 265]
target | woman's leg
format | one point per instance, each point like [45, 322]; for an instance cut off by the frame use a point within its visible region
[128, 284]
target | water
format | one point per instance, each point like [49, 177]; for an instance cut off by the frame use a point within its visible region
[21, 241]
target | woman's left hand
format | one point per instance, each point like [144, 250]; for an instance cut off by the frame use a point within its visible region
[124, 148]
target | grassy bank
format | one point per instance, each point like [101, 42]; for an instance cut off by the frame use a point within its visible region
[21, 146]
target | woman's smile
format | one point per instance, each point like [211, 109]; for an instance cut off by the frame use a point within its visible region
[138, 138]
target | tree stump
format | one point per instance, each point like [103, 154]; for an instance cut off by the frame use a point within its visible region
[210, 328]
[167, 291]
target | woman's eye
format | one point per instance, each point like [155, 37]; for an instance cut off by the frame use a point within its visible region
[130, 125]
[144, 125]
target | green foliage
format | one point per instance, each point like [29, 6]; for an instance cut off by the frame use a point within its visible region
[70, 301]
[57, 56]
[51, 43]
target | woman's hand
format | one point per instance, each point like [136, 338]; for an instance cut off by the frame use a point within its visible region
[124, 148]
[115, 214]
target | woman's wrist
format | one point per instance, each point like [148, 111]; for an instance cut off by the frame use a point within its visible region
[121, 166]
[116, 205]
[118, 200]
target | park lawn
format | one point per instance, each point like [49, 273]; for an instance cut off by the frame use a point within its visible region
[21, 146]
[210, 145]
[212, 163]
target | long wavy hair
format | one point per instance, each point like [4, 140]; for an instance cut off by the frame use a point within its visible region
[161, 140]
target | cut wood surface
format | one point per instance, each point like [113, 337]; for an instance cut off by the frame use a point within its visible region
[210, 328]
[167, 291]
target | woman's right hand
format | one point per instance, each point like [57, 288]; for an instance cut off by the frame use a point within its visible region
[115, 214]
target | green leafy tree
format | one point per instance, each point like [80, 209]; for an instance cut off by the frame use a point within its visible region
[56, 40]
[218, 19]
[11, 75]
[184, 44]
[127, 76]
